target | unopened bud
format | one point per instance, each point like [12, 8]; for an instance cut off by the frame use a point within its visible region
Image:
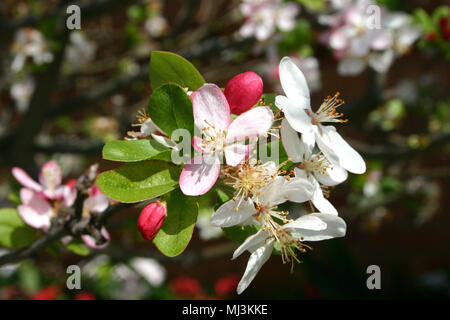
[151, 219]
[243, 91]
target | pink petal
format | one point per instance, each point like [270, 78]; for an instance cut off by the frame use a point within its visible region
[24, 179]
[236, 153]
[50, 175]
[211, 108]
[199, 175]
[98, 203]
[243, 91]
[197, 143]
[90, 241]
[251, 124]
[35, 211]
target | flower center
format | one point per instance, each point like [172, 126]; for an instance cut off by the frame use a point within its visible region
[214, 140]
[287, 243]
[248, 178]
[327, 111]
[317, 163]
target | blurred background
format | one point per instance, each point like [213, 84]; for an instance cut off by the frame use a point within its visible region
[64, 93]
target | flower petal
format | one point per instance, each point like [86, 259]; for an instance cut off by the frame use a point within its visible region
[256, 261]
[35, 211]
[227, 216]
[24, 179]
[199, 175]
[293, 81]
[236, 153]
[351, 66]
[97, 203]
[197, 143]
[337, 150]
[311, 229]
[335, 175]
[51, 175]
[295, 113]
[320, 202]
[251, 124]
[294, 147]
[90, 241]
[280, 190]
[252, 243]
[211, 107]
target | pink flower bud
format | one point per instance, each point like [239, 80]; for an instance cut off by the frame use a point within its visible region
[243, 91]
[151, 219]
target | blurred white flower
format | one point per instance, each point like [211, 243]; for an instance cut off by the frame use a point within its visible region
[309, 66]
[358, 43]
[80, 50]
[21, 92]
[263, 16]
[372, 185]
[156, 26]
[150, 269]
[29, 43]
[206, 230]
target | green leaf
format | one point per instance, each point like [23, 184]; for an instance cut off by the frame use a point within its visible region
[171, 108]
[168, 67]
[14, 233]
[135, 150]
[29, 277]
[78, 248]
[176, 230]
[240, 233]
[139, 181]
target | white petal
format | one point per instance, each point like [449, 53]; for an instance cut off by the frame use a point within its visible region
[280, 190]
[337, 150]
[252, 243]
[335, 227]
[309, 139]
[293, 81]
[226, 216]
[320, 202]
[307, 222]
[256, 261]
[351, 66]
[295, 113]
[291, 142]
[381, 62]
[335, 175]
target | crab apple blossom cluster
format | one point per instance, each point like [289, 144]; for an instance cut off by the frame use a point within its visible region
[362, 33]
[260, 188]
[46, 200]
[262, 17]
[29, 43]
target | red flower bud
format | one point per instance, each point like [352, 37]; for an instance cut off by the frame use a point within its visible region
[226, 285]
[48, 293]
[151, 219]
[85, 296]
[185, 286]
[430, 37]
[243, 91]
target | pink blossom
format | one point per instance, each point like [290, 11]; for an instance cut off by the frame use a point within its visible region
[49, 185]
[212, 116]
